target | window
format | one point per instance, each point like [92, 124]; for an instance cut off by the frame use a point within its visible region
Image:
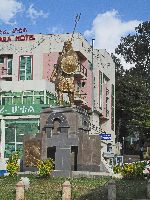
[109, 147]
[100, 89]
[106, 94]
[39, 99]
[25, 68]
[14, 134]
[17, 100]
[56, 129]
[7, 100]
[83, 84]
[9, 66]
[112, 107]
[28, 100]
[1, 59]
[50, 99]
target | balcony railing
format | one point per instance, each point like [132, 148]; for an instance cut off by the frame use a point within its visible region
[6, 71]
[81, 71]
[79, 98]
[6, 74]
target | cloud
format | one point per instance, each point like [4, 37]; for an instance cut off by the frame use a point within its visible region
[34, 14]
[56, 30]
[9, 9]
[108, 28]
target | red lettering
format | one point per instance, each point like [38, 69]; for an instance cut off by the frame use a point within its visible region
[31, 37]
[17, 38]
[4, 39]
[9, 39]
[22, 38]
[26, 36]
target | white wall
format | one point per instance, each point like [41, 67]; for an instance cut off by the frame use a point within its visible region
[36, 85]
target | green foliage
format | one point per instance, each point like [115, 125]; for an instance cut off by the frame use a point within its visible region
[117, 169]
[45, 167]
[133, 85]
[12, 164]
[130, 170]
[135, 49]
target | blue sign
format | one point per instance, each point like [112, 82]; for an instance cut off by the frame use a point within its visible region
[105, 136]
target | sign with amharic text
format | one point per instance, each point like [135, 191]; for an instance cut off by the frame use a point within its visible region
[21, 109]
[8, 36]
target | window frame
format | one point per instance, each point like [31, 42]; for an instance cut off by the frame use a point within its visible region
[25, 70]
[100, 89]
[8, 68]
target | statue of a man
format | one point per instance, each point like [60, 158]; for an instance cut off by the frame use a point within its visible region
[63, 73]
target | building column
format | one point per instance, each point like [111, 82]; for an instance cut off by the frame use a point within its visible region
[2, 138]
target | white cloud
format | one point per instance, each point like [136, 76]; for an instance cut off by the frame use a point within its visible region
[108, 28]
[56, 30]
[9, 9]
[34, 14]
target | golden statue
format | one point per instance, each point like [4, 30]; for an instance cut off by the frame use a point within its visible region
[63, 73]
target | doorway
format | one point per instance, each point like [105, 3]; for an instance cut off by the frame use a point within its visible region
[74, 158]
[51, 153]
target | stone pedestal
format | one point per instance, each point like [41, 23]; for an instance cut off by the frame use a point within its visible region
[20, 191]
[65, 138]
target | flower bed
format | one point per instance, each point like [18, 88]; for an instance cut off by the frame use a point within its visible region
[132, 170]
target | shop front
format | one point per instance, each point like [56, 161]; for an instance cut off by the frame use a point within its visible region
[15, 123]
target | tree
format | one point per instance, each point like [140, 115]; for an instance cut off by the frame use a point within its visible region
[134, 84]
[119, 93]
[136, 49]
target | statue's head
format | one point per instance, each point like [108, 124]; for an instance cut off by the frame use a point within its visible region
[67, 45]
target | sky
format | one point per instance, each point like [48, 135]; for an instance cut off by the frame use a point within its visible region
[106, 21]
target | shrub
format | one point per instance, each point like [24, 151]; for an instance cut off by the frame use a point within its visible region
[12, 164]
[130, 170]
[117, 169]
[45, 167]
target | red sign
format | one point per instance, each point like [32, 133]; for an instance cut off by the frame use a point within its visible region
[17, 38]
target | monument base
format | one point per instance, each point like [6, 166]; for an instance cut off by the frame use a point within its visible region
[65, 138]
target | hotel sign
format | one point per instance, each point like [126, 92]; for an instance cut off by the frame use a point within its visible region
[17, 38]
[21, 109]
[22, 37]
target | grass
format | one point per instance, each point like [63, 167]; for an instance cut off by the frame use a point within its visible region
[82, 188]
